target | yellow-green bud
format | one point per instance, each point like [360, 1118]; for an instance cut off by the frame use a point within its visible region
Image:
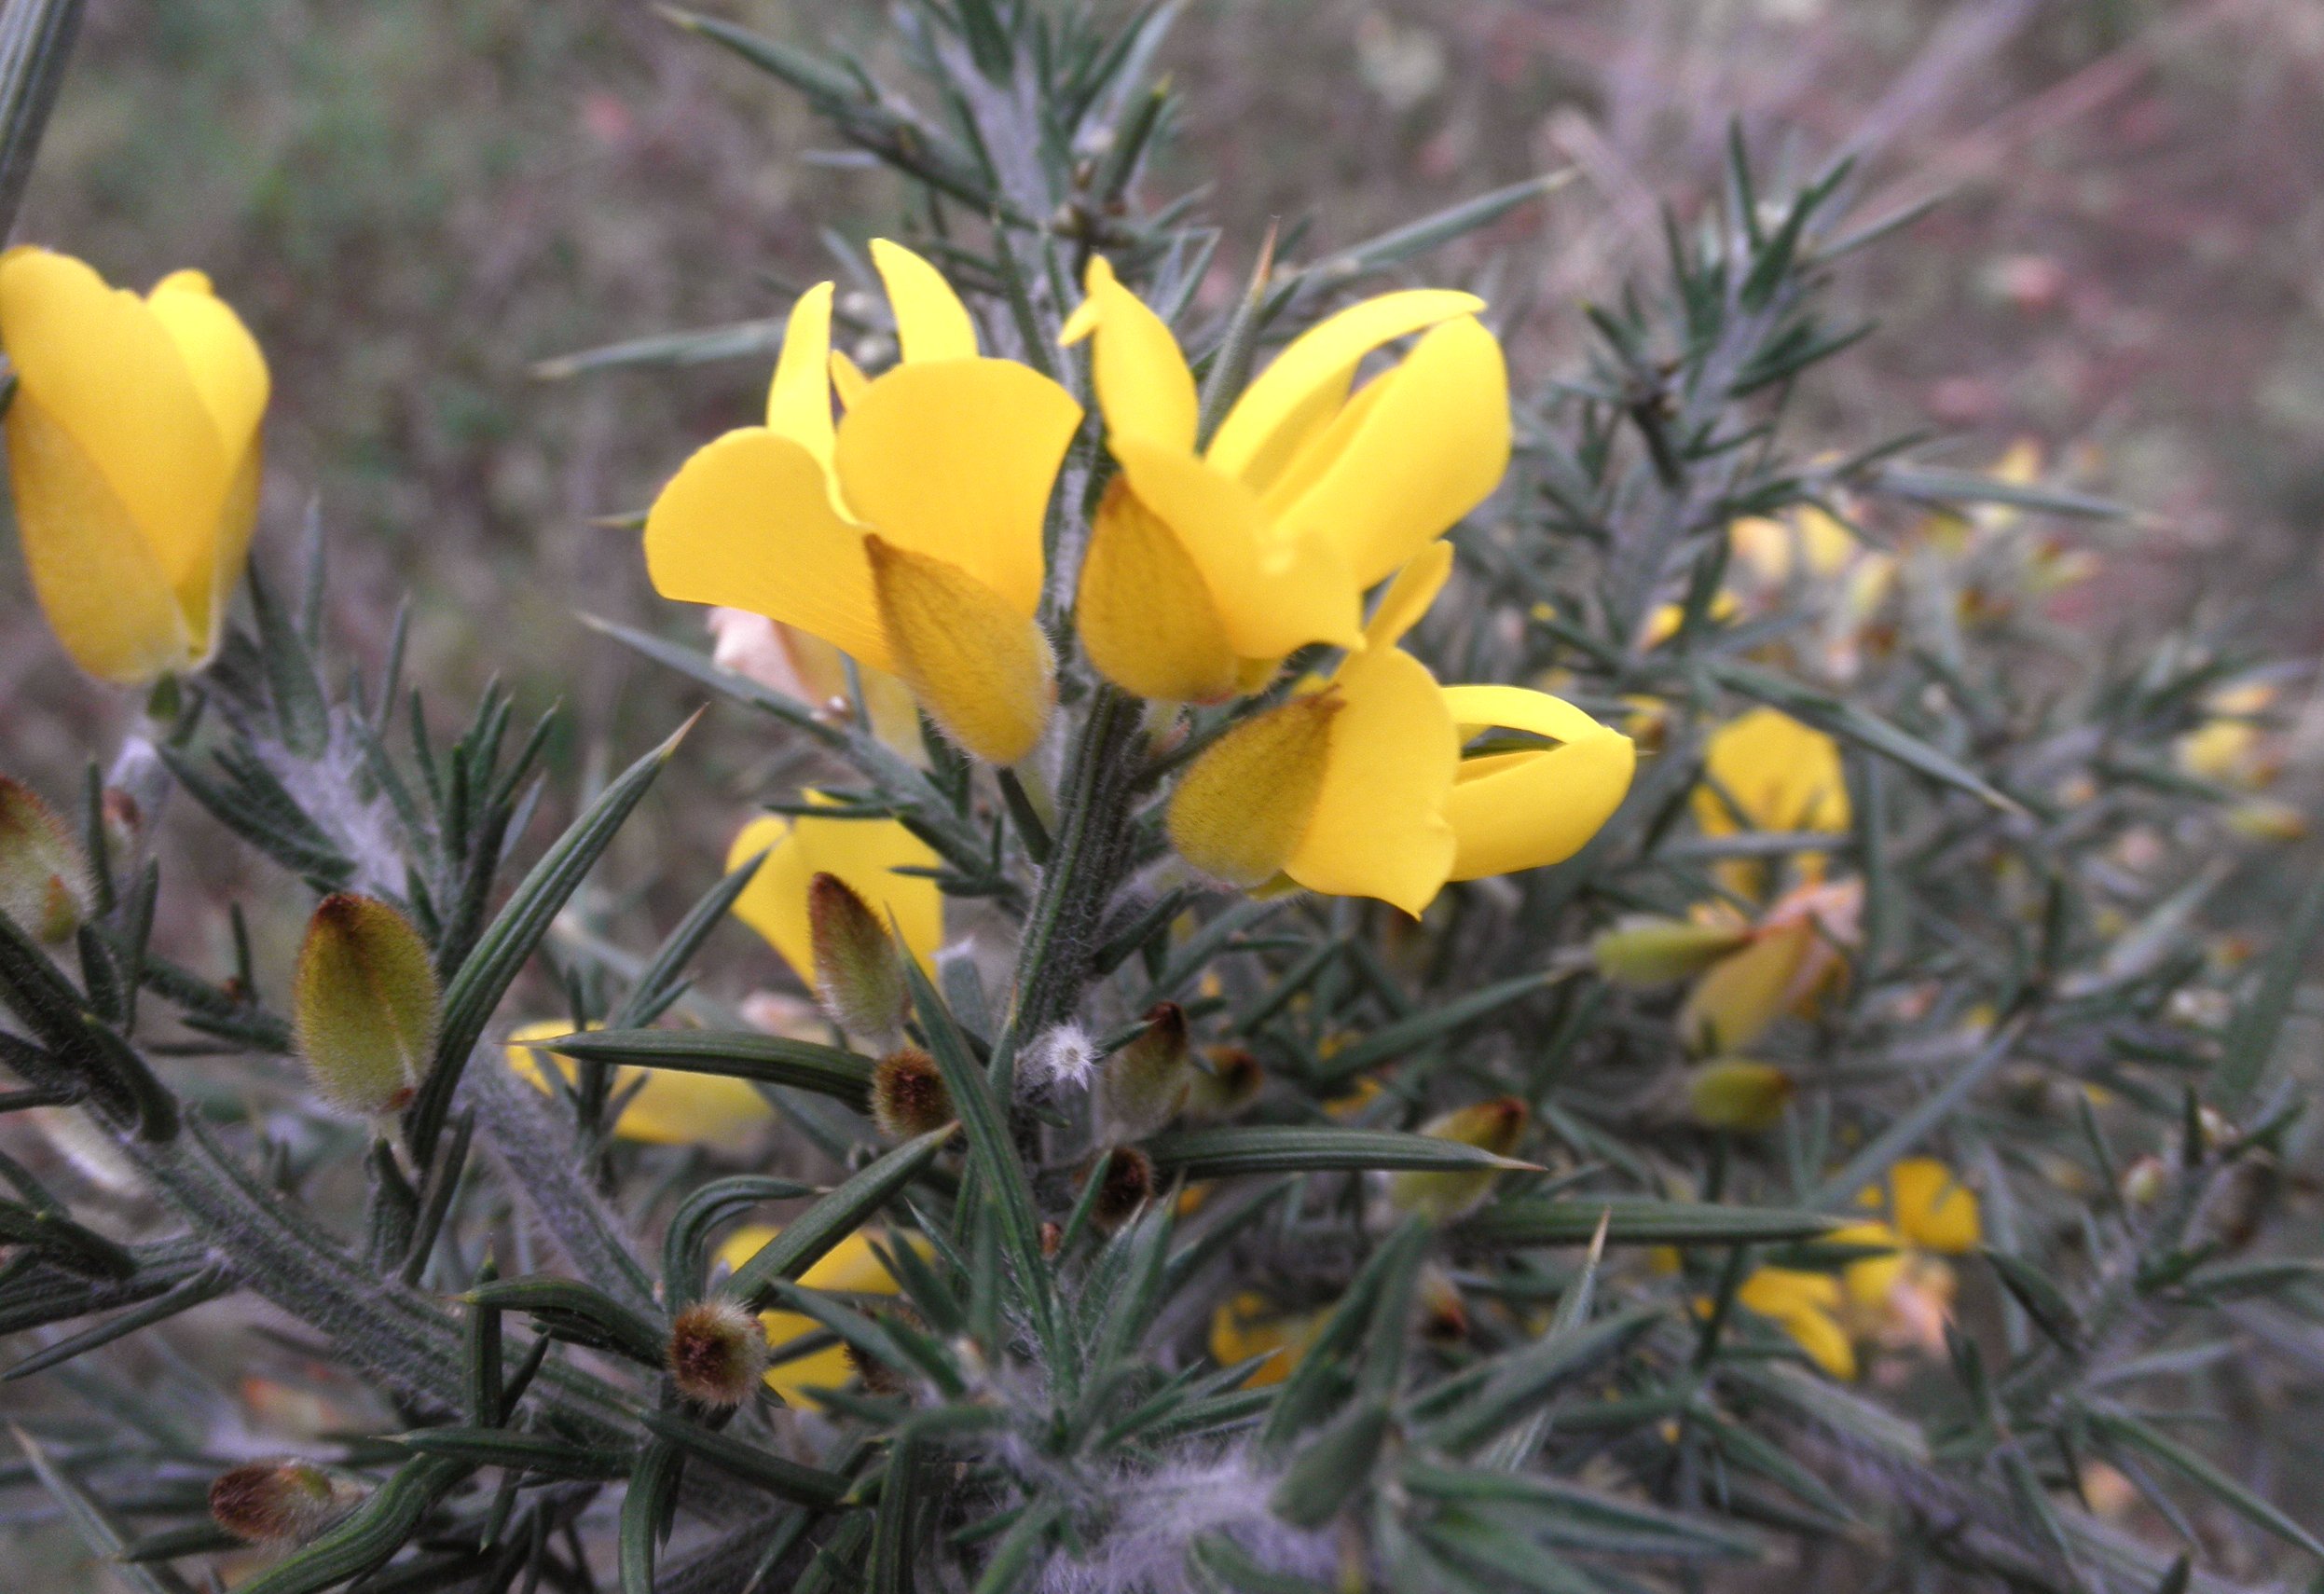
[1495, 1126]
[1141, 1087]
[44, 878]
[858, 973]
[1652, 952]
[366, 1004]
[1227, 1080]
[909, 1097]
[281, 1502]
[1736, 1093]
[1125, 1176]
[717, 1352]
[2144, 1181]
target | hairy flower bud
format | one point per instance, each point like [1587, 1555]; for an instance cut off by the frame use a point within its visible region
[1141, 1087]
[1646, 951]
[859, 974]
[1736, 1093]
[44, 878]
[1125, 1176]
[1227, 1080]
[909, 1096]
[366, 1004]
[1495, 1126]
[281, 1502]
[717, 1352]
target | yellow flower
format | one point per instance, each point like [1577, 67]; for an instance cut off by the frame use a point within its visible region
[1795, 954]
[1806, 1306]
[909, 536]
[1249, 1325]
[1357, 789]
[2230, 746]
[1810, 541]
[1905, 1295]
[667, 1108]
[1204, 566]
[133, 451]
[863, 853]
[849, 1267]
[1765, 771]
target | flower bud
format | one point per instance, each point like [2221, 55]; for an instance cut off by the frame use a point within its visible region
[1226, 1081]
[365, 1005]
[717, 1352]
[1495, 1126]
[1125, 1176]
[909, 1097]
[859, 974]
[1646, 951]
[283, 1502]
[1735, 1093]
[44, 878]
[1141, 1087]
[2144, 1181]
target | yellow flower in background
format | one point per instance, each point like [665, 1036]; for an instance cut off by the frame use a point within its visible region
[865, 854]
[669, 1109]
[1763, 771]
[133, 452]
[1357, 789]
[1206, 566]
[909, 535]
[1249, 1325]
[1806, 1306]
[849, 1267]
[1810, 541]
[1796, 953]
[2231, 745]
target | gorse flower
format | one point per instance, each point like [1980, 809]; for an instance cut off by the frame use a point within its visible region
[1206, 564]
[1358, 788]
[658, 1107]
[1765, 771]
[134, 453]
[909, 535]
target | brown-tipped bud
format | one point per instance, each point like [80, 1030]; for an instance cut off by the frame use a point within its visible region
[1495, 1126]
[1141, 1087]
[858, 973]
[124, 822]
[1735, 1093]
[44, 878]
[717, 1352]
[1052, 1236]
[366, 1004]
[1226, 1081]
[284, 1501]
[1444, 1315]
[1125, 1182]
[1651, 952]
[909, 1097]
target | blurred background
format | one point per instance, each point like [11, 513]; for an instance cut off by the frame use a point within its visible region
[414, 204]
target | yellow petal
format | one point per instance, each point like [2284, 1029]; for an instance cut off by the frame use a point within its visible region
[982, 671]
[1409, 596]
[847, 379]
[1803, 1305]
[106, 595]
[849, 1267]
[1312, 373]
[866, 854]
[1272, 594]
[1431, 448]
[799, 399]
[932, 323]
[1932, 1208]
[1735, 1001]
[1379, 827]
[1144, 612]
[1782, 775]
[747, 523]
[1144, 387]
[956, 459]
[667, 1108]
[112, 376]
[1525, 809]
[1249, 1326]
[1242, 806]
[229, 374]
